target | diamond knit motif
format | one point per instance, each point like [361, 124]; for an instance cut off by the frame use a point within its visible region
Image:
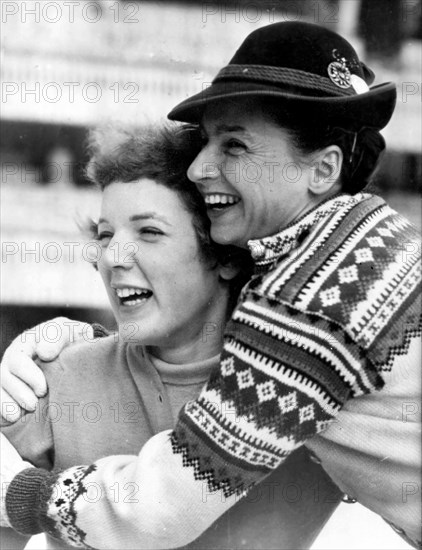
[261, 400]
[227, 366]
[363, 255]
[288, 402]
[280, 372]
[245, 379]
[266, 391]
[348, 274]
[358, 272]
[375, 241]
[330, 296]
[306, 413]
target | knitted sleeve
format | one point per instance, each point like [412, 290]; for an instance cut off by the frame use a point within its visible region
[149, 501]
[250, 416]
[283, 379]
[284, 376]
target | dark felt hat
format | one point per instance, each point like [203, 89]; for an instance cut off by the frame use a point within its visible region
[308, 69]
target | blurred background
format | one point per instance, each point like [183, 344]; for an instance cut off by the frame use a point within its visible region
[70, 65]
[67, 66]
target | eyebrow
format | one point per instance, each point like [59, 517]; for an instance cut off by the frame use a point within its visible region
[230, 128]
[223, 128]
[144, 216]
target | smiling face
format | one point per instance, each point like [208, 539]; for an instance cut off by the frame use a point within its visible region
[248, 173]
[162, 292]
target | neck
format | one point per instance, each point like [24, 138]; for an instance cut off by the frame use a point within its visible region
[201, 339]
[313, 201]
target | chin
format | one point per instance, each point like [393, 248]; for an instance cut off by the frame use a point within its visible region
[221, 237]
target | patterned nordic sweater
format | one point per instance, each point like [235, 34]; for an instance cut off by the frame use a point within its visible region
[334, 301]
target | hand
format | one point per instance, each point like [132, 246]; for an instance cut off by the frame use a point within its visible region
[22, 381]
[11, 464]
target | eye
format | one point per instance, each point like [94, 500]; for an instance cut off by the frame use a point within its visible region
[235, 147]
[150, 233]
[104, 237]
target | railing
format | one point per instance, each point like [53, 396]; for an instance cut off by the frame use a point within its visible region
[65, 91]
[136, 60]
[45, 258]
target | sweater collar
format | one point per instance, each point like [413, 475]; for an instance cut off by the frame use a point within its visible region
[185, 374]
[270, 249]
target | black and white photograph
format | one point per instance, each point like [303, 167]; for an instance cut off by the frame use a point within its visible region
[211, 274]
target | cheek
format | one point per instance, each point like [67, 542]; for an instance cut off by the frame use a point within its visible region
[196, 283]
[104, 274]
[171, 278]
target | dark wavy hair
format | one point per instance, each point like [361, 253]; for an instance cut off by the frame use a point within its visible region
[162, 153]
[361, 149]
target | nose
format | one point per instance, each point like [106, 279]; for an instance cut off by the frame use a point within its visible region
[119, 254]
[205, 167]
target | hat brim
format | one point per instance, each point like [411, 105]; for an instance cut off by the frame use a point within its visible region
[371, 109]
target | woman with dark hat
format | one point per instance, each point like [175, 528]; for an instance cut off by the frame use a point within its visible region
[323, 348]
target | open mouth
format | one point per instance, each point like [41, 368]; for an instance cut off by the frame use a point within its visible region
[132, 296]
[220, 201]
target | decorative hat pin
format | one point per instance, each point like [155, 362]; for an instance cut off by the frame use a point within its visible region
[341, 76]
[338, 71]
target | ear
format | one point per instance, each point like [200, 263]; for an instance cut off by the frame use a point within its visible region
[326, 169]
[228, 271]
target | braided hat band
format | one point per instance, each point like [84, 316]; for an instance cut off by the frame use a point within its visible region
[279, 75]
[302, 80]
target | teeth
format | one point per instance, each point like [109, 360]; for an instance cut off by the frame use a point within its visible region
[216, 198]
[126, 292]
[133, 302]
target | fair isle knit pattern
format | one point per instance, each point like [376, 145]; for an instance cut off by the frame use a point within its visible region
[72, 485]
[55, 496]
[335, 298]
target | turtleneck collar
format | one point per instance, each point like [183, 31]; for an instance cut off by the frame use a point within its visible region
[181, 374]
[270, 249]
